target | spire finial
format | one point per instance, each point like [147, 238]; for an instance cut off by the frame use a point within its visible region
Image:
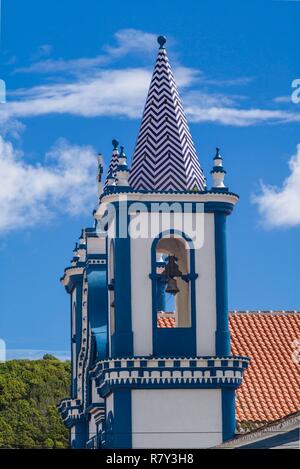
[122, 154]
[110, 180]
[161, 41]
[122, 173]
[99, 174]
[115, 143]
[217, 156]
[218, 172]
[100, 160]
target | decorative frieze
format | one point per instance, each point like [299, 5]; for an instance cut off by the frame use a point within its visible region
[169, 372]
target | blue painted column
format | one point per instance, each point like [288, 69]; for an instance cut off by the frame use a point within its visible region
[80, 439]
[77, 285]
[122, 340]
[122, 425]
[161, 294]
[222, 331]
[73, 340]
[228, 413]
[97, 308]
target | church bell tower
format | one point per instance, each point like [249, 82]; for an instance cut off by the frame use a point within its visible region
[169, 379]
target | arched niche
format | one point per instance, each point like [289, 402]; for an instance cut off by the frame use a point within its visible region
[174, 328]
[177, 305]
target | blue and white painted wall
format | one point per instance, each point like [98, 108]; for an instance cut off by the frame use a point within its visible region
[137, 385]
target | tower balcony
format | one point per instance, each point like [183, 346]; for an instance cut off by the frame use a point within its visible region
[156, 373]
[70, 411]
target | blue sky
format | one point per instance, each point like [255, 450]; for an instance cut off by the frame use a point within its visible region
[77, 75]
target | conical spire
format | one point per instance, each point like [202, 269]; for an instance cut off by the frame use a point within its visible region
[165, 157]
[111, 173]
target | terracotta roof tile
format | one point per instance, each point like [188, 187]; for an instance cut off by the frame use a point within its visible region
[165, 322]
[271, 387]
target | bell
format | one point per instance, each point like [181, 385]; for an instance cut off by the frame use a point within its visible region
[172, 269]
[172, 287]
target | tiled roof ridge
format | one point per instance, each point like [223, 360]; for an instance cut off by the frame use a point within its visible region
[266, 312]
[266, 429]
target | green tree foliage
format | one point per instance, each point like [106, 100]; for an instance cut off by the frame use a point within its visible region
[29, 394]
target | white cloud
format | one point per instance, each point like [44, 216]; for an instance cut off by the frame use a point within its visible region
[110, 92]
[128, 41]
[12, 127]
[96, 91]
[283, 99]
[280, 206]
[239, 117]
[123, 92]
[238, 81]
[30, 194]
[131, 41]
[49, 66]
[203, 100]
[185, 76]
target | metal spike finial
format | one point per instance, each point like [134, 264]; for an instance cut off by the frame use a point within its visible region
[122, 154]
[100, 160]
[217, 156]
[218, 172]
[161, 41]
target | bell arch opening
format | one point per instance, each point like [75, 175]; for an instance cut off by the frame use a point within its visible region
[172, 287]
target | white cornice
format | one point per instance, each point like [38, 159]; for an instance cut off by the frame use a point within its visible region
[165, 197]
[69, 272]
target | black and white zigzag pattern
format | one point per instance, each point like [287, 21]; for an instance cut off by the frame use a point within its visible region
[112, 165]
[165, 157]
